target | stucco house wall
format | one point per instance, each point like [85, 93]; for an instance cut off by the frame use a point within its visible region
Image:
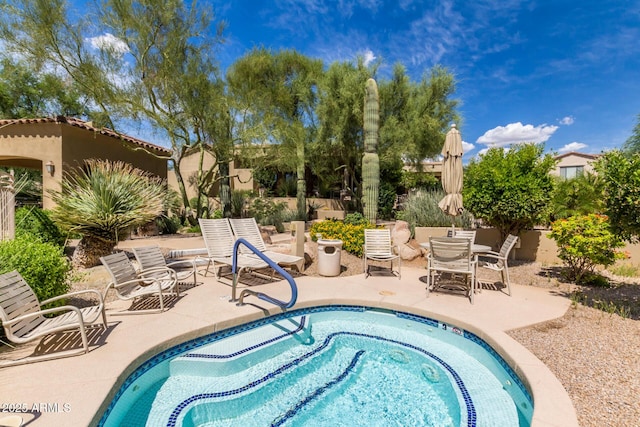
[67, 142]
[575, 159]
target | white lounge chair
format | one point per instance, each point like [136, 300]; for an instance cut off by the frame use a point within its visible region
[24, 320]
[247, 228]
[150, 257]
[130, 284]
[453, 256]
[219, 240]
[378, 247]
[501, 258]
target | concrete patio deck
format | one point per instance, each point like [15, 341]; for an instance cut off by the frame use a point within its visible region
[75, 391]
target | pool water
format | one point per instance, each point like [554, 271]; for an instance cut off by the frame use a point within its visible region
[326, 366]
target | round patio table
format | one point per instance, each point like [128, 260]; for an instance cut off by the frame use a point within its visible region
[475, 248]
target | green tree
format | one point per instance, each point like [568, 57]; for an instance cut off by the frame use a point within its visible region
[103, 201]
[27, 94]
[621, 175]
[282, 86]
[156, 66]
[510, 190]
[581, 195]
[337, 149]
[414, 118]
[632, 145]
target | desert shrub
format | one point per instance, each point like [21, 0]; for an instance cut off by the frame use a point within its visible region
[239, 198]
[386, 200]
[205, 207]
[288, 186]
[352, 235]
[267, 212]
[356, 218]
[168, 224]
[422, 210]
[585, 242]
[194, 229]
[37, 223]
[626, 270]
[43, 265]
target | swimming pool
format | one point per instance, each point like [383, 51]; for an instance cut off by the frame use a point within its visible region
[333, 365]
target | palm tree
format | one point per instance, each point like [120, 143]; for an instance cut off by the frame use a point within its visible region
[102, 201]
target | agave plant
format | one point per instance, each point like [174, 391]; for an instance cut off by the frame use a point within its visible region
[102, 201]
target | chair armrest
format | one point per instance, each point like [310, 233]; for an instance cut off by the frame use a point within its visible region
[142, 281]
[70, 294]
[146, 275]
[493, 255]
[42, 312]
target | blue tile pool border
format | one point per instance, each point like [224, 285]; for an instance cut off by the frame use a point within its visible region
[216, 336]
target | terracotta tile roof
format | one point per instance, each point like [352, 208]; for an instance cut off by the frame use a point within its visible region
[88, 126]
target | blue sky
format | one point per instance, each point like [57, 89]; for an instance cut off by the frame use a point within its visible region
[566, 73]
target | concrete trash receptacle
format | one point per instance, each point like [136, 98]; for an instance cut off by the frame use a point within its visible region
[329, 257]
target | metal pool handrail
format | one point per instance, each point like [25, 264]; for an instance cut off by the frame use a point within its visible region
[272, 264]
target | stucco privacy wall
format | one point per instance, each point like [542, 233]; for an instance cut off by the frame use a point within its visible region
[534, 245]
[241, 178]
[67, 143]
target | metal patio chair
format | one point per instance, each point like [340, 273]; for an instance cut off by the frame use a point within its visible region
[378, 247]
[24, 320]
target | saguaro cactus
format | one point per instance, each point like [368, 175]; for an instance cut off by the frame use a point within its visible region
[370, 161]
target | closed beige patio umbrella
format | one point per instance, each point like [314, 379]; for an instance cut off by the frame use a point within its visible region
[452, 173]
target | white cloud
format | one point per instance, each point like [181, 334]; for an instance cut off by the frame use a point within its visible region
[567, 120]
[467, 146]
[574, 146]
[110, 42]
[516, 133]
[369, 57]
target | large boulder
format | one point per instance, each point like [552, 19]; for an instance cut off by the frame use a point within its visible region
[401, 235]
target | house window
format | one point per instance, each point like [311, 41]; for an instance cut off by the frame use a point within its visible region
[569, 172]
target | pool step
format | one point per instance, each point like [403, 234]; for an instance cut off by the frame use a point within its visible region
[267, 399]
[239, 352]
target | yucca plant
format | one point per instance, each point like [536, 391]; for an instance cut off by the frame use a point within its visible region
[102, 201]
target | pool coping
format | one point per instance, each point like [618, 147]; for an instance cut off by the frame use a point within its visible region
[87, 383]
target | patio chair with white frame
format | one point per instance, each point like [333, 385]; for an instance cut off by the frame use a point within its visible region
[133, 285]
[150, 257]
[501, 258]
[24, 319]
[453, 256]
[219, 240]
[378, 247]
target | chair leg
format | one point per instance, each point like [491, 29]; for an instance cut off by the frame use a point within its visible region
[161, 299]
[508, 280]
[104, 317]
[472, 286]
